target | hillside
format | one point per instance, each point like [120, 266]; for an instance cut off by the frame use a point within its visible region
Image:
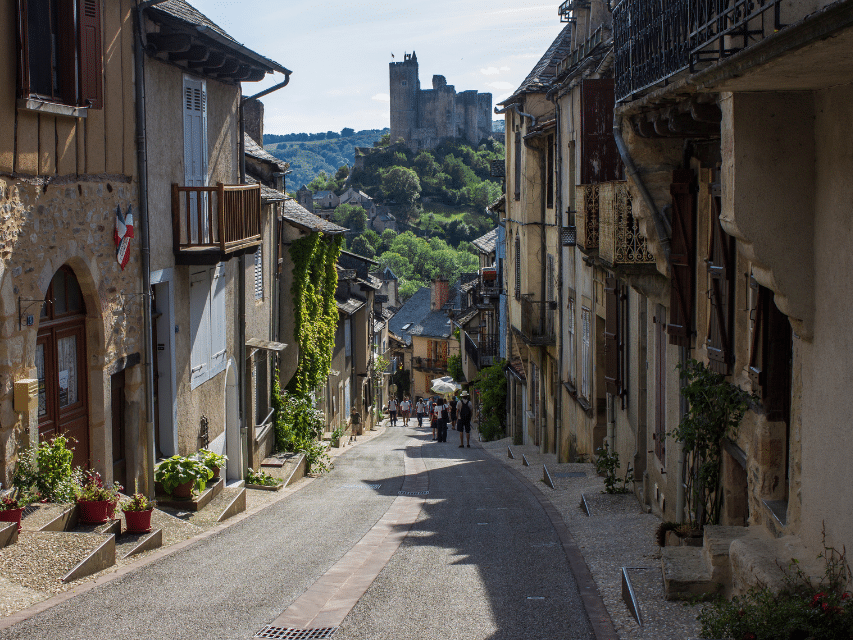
[311, 153]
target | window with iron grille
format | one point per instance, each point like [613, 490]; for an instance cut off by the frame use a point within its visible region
[586, 354]
[259, 274]
[517, 268]
[59, 51]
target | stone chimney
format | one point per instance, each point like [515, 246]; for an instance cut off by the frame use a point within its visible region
[253, 118]
[439, 294]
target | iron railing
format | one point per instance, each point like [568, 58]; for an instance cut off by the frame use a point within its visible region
[657, 39]
[620, 240]
[489, 348]
[537, 322]
[472, 350]
[224, 217]
[430, 364]
[587, 216]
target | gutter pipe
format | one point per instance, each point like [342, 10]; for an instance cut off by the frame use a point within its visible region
[514, 107]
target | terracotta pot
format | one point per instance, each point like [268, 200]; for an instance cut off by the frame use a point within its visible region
[94, 512]
[138, 521]
[12, 515]
[215, 477]
[183, 491]
[111, 509]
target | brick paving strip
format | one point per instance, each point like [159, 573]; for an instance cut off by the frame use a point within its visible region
[328, 601]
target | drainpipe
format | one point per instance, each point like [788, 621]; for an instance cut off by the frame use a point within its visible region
[142, 169]
[662, 225]
[683, 356]
[558, 209]
[515, 107]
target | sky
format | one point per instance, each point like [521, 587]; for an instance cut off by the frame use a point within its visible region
[339, 51]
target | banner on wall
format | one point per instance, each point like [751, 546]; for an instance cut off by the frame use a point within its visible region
[123, 234]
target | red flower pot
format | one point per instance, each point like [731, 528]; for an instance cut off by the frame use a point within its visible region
[12, 515]
[183, 491]
[215, 471]
[94, 512]
[138, 521]
[111, 509]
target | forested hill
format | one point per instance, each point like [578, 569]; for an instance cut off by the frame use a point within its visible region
[311, 153]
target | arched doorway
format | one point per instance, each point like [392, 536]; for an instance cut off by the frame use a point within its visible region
[63, 402]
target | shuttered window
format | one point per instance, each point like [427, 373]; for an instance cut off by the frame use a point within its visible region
[259, 274]
[721, 292]
[586, 354]
[517, 268]
[770, 360]
[208, 352]
[217, 320]
[517, 173]
[59, 51]
[600, 160]
[195, 152]
[683, 258]
[550, 294]
[549, 178]
[347, 337]
[615, 337]
[572, 353]
[660, 386]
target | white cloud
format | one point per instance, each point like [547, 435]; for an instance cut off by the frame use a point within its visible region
[491, 71]
[381, 97]
[504, 68]
[502, 86]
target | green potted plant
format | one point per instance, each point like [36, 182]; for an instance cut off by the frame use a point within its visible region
[180, 475]
[337, 434]
[12, 506]
[212, 461]
[262, 479]
[94, 500]
[137, 513]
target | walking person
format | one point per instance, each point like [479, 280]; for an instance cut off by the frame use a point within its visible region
[442, 417]
[465, 413]
[453, 403]
[420, 410]
[432, 418]
[354, 425]
[406, 410]
[392, 410]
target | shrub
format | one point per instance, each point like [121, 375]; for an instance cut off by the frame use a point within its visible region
[607, 462]
[46, 470]
[491, 383]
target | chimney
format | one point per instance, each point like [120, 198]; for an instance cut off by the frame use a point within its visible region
[439, 294]
[253, 120]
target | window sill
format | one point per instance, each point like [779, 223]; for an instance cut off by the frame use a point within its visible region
[43, 106]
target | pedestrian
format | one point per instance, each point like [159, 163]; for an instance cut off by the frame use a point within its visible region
[392, 410]
[465, 413]
[354, 425]
[419, 410]
[442, 418]
[453, 402]
[432, 418]
[406, 410]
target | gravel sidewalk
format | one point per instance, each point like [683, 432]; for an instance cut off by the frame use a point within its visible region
[617, 534]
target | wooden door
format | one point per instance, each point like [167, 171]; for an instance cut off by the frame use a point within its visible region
[119, 441]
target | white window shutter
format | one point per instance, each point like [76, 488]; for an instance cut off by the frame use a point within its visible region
[199, 327]
[259, 274]
[195, 148]
[218, 351]
[347, 338]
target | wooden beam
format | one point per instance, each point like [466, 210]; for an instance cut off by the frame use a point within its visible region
[226, 69]
[195, 52]
[215, 59]
[169, 42]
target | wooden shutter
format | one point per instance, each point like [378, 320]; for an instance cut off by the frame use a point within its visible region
[721, 266]
[23, 49]
[683, 258]
[259, 273]
[770, 357]
[348, 336]
[611, 338]
[199, 326]
[218, 344]
[600, 160]
[517, 173]
[517, 267]
[660, 389]
[91, 65]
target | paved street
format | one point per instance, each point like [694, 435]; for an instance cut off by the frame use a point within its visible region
[477, 558]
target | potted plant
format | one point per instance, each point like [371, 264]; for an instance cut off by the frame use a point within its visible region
[137, 513]
[94, 500]
[262, 479]
[337, 434]
[180, 475]
[212, 461]
[12, 506]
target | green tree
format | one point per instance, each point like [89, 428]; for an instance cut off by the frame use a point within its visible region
[402, 185]
[491, 383]
[483, 194]
[454, 367]
[372, 238]
[346, 132]
[408, 288]
[350, 216]
[362, 247]
[388, 237]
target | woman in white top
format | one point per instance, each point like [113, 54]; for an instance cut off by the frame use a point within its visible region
[406, 410]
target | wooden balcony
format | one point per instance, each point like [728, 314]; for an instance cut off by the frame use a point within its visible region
[429, 364]
[208, 223]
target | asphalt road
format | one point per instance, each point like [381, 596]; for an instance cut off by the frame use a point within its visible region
[482, 561]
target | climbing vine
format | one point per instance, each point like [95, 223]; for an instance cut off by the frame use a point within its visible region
[315, 279]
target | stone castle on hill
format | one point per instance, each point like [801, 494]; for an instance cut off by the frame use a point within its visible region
[423, 118]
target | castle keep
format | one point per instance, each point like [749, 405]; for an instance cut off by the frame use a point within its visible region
[424, 118]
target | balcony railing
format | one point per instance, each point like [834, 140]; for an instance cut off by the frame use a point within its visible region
[657, 39]
[620, 240]
[587, 216]
[472, 350]
[489, 348]
[429, 364]
[537, 322]
[226, 218]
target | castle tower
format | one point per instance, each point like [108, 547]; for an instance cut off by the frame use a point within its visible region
[404, 91]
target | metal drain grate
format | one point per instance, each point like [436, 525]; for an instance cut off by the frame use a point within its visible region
[570, 474]
[287, 633]
[360, 486]
[413, 493]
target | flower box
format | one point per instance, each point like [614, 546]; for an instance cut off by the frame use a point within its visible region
[12, 515]
[94, 512]
[138, 521]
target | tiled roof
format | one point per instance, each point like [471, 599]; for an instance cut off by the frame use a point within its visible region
[435, 324]
[543, 73]
[499, 204]
[467, 317]
[301, 217]
[268, 194]
[256, 151]
[411, 313]
[350, 305]
[517, 368]
[486, 243]
[377, 326]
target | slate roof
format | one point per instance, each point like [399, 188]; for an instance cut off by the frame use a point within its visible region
[423, 322]
[350, 305]
[540, 77]
[323, 194]
[301, 217]
[268, 194]
[487, 242]
[256, 151]
[436, 324]
[467, 317]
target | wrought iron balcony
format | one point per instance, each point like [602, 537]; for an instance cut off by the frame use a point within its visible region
[489, 348]
[429, 364]
[537, 322]
[209, 222]
[472, 351]
[657, 39]
[620, 240]
[587, 216]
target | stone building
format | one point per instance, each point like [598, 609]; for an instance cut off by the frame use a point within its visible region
[423, 118]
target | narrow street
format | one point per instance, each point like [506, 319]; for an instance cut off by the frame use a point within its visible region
[478, 557]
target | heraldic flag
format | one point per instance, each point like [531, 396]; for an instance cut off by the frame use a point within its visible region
[123, 234]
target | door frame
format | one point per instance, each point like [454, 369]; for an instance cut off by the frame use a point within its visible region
[168, 382]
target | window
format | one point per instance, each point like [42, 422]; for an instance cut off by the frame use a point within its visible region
[347, 337]
[517, 175]
[572, 354]
[59, 51]
[586, 354]
[660, 386]
[615, 338]
[549, 287]
[262, 390]
[549, 178]
[721, 290]
[771, 356]
[517, 268]
[259, 274]
[207, 324]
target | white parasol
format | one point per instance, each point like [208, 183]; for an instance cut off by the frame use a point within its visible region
[445, 385]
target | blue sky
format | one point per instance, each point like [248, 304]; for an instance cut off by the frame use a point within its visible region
[339, 51]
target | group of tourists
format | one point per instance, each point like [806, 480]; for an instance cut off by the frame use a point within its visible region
[455, 413]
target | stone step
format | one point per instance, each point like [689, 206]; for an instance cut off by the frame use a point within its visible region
[131, 544]
[197, 503]
[49, 517]
[717, 542]
[229, 502]
[686, 574]
[8, 533]
[287, 467]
